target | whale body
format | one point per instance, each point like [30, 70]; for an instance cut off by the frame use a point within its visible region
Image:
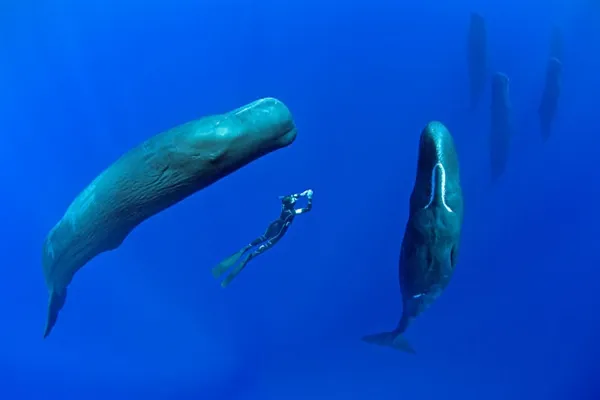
[431, 241]
[501, 125]
[477, 58]
[550, 95]
[153, 176]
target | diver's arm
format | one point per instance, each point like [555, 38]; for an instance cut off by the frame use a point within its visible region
[308, 194]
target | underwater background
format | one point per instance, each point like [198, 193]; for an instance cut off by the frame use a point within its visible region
[83, 82]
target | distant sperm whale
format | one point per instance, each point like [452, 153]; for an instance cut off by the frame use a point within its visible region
[432, 235]
[550, 95]
[556, 44]
[477, 58]
[501, 125]
[157, 174]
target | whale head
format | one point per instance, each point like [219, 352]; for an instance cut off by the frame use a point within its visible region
[437, 184]
[500, 91]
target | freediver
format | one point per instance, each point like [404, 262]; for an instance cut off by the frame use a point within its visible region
[272, 235]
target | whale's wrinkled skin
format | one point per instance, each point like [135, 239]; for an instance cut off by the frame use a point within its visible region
[157, 174]
[432, 235]
[501, 125]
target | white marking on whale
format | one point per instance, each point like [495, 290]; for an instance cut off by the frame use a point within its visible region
[442, 172]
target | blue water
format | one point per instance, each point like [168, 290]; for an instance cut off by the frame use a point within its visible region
[83, 82]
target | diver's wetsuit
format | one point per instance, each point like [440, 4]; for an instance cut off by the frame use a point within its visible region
[272, 235]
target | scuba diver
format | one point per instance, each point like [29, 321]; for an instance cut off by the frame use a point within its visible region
[272, 235]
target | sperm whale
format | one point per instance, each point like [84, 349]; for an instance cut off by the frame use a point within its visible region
[153, 176]
[431, 242]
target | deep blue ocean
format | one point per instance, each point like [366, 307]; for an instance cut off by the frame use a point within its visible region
[82, 82]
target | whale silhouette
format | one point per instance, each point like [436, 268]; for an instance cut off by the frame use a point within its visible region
[500, 125]
[431, 240]
[155, 175]
[550, 95]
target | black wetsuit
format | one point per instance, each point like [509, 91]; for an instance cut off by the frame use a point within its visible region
[272, 235]
[279, 227]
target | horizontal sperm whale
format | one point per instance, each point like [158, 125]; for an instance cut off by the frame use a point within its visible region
[155, 175]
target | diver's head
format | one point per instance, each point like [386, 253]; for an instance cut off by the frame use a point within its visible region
[288, 201]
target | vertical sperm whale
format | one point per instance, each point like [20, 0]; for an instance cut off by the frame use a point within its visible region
[155, 175]
[550, 96]
[432, 235]
[501, 125]
[477, 58]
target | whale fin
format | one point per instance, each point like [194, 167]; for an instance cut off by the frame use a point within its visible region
[390, 339]
[56, 301]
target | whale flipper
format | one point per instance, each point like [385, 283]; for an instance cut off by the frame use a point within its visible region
[392, 339]
[56, 301]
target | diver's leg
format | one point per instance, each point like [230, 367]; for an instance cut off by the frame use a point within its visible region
[262, 248]
[259, 240]
[232, 259]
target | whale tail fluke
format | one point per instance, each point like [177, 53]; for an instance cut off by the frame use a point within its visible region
[393, 339]
[56, 301]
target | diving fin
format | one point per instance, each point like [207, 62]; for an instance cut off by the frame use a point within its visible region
[390, 339]
[56, 301]
[228, 263]
[235, 272]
